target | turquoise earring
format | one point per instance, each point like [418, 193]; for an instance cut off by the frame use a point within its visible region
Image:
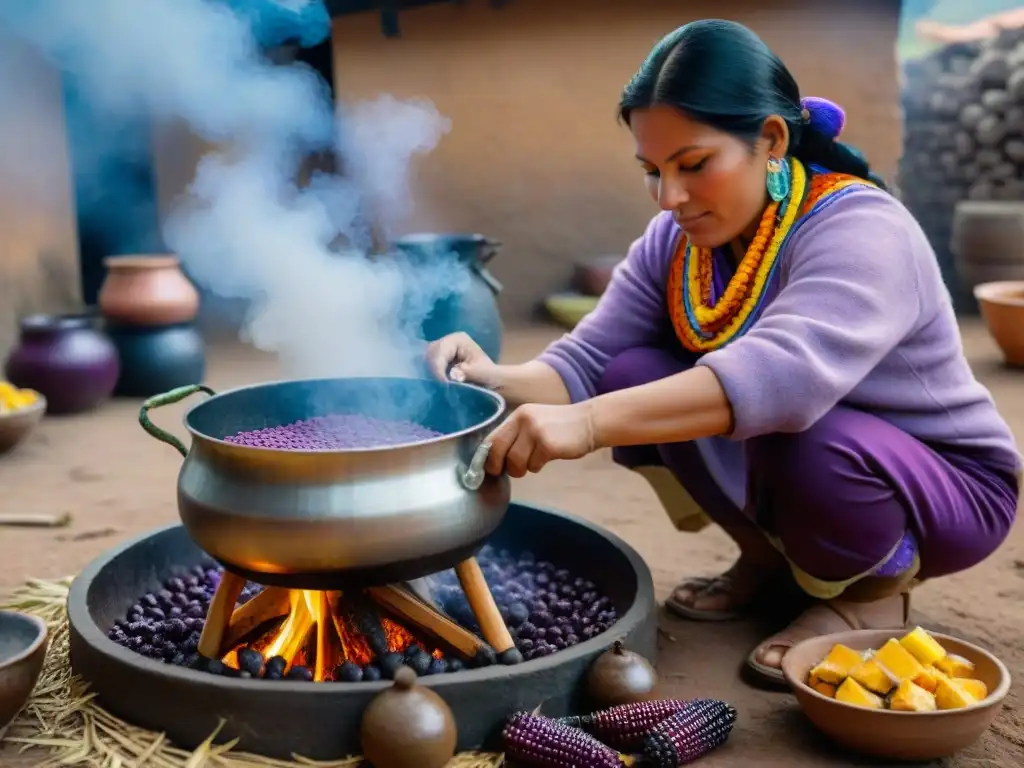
[778, 179]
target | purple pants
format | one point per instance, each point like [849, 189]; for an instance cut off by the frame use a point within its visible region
[851, 495]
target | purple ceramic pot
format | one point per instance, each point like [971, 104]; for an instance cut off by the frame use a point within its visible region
[66, 359]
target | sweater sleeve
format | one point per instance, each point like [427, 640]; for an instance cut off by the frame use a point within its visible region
[630, 314]
[851, 294]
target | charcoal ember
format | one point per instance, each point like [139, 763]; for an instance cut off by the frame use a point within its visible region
[437, 667]
[390, 663]
[361, 613]
[302, 674]
[511, 657]
[371, 673]
[484, 657]
[419, 661]
[251, 661]
[455, 665]
[216, 667]
[349, 672]
[275, 667]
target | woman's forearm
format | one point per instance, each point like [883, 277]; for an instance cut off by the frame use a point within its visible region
[532, 382]
[679, 408]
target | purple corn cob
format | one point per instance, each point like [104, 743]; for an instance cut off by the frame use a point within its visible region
[531, 740]
[692, 732]
[626, 726]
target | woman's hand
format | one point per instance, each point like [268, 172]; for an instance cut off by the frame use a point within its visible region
[536, 434]
[459, 358]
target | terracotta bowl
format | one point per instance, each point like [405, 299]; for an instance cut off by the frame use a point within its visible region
[16, 425]
[1002, 307]
[909, 736]
[23, 641]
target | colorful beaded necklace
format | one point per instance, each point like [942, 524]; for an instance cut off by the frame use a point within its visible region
[702, 324]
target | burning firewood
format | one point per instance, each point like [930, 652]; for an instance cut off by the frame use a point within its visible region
[269, 604]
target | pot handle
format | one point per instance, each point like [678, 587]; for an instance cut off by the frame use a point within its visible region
[472, 477]
[169, 398]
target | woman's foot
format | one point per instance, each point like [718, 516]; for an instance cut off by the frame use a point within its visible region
[724, 597]
[826, 618]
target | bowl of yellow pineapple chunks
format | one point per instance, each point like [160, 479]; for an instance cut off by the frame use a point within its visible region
[901, 695]
[20, 411]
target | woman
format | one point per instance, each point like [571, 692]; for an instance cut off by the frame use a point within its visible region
[781, 344]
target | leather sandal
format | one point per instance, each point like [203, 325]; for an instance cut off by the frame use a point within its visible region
[827, 618]
[736, 583]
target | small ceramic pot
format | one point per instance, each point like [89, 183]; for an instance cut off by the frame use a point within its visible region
[591, 276]
[147, 291]
[473, 306]
[155, 360]
[23, 643]
[66, 359]
[1002, 307]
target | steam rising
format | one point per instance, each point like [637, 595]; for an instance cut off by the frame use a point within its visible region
[246, 229]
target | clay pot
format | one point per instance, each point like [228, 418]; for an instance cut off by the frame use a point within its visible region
[988, 242]
[1002, 307]
[147, 291]
[619, 676]
[155, 360]
[408, 726]
[66, 359]
[592, 275]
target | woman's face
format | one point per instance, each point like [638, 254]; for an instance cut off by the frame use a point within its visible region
[713, 183]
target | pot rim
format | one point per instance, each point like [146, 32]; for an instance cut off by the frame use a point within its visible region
[1008, 293]
[486, 425]
[419, 238]
[42, 322]
[42, 633]
[142, 261]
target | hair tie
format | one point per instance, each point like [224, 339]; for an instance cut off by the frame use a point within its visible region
[824, 116]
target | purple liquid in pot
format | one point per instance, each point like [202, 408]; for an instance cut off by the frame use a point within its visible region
[335, 432]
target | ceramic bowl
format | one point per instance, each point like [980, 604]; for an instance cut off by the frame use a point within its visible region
[909, 736]
[567, 309]
[1002, 307]
[23, 641]
[15, 426]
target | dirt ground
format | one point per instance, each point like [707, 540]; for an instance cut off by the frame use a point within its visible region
[117, 482]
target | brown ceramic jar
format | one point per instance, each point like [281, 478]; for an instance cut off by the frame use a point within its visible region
[147, 291]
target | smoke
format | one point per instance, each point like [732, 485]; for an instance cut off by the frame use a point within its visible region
[246, 229]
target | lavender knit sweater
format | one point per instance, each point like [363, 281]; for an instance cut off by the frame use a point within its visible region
[858, 315]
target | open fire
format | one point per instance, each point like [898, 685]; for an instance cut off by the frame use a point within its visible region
[304, 634]
[362, 635]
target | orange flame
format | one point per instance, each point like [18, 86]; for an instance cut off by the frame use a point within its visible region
[314, 633]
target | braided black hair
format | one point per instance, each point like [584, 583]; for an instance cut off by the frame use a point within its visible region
[723, 75]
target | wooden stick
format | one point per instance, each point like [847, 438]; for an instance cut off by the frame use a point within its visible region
[401, 602]
[211, 641]
[36, 521]
[268, 604]
[480, 599]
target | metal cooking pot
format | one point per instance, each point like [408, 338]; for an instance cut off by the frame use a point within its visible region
[320, 519]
